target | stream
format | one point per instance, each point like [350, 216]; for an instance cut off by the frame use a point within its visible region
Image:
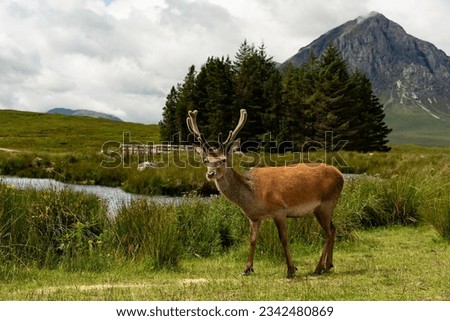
[114, 196]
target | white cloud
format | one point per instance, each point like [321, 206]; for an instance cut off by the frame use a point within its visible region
[122, 56]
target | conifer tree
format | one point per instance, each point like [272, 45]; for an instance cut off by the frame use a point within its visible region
[308, 82]
[257, 88]
[185, 102]
[214, 96]
[169, 121]
[372, 130]
[293, 108]
[332, 99]
[290, 105]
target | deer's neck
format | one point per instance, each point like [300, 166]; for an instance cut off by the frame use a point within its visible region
[236, 187]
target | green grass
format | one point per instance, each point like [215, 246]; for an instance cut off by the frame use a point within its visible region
[50, 229]
[41, 154]
[393, 225]
[38, 132]
[416, 126]
[61, 246]
[399, 160]
[396, 263]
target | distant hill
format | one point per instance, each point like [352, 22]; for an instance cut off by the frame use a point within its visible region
[410, 76]
[43, 132]
[82, 112]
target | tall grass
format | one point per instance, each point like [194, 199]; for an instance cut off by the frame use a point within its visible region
[146, 229]
[195, 228]
[49, 228]
[438, 215]
[403, 199]
[436, 209]
[169, 180]
[374, 202]
[71, 230]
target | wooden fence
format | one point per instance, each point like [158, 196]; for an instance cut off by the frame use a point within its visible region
[141, 149]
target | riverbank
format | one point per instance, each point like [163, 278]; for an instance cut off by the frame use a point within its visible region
[175, 174]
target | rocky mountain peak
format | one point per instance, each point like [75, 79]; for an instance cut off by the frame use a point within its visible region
[404, 70]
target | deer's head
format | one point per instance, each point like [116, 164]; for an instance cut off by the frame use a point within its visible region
[216, 159]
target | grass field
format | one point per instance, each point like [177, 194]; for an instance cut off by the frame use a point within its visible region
[392, 244]
[396, 263]
[415, 126]
[38, 132]
[52, 133]
[393, 224]
[68, 149]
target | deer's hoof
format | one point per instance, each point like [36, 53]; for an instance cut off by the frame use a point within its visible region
[247, 272]
[319, 271]
[291, 273]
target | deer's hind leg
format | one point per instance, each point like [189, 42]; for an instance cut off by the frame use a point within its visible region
[324, 215]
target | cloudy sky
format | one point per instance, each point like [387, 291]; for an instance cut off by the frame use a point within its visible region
[122, 56]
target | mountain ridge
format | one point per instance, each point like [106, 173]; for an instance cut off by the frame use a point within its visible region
[82, 113]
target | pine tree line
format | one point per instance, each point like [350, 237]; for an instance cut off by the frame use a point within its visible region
[301, 105]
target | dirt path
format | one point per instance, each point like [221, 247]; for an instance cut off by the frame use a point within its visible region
[9, 150]
[51, 289]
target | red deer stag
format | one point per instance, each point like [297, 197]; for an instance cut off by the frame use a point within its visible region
[273, 192]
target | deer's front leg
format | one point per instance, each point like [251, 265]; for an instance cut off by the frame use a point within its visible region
[254, 231]
[282, 233]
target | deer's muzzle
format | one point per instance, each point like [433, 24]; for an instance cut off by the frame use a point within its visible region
[210, 174]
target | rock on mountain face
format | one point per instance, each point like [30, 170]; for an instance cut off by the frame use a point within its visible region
[82, 112]
[404, 70]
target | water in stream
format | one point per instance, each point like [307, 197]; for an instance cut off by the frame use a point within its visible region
[114, 196]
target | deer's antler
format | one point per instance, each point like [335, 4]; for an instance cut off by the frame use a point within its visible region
[233, 133]
[191, 121]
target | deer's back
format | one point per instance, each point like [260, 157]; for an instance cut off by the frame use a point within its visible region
[289, 186]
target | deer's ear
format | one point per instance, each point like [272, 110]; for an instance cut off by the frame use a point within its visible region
[234, 146]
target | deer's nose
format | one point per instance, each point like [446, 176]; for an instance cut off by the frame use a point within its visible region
[210, 174]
